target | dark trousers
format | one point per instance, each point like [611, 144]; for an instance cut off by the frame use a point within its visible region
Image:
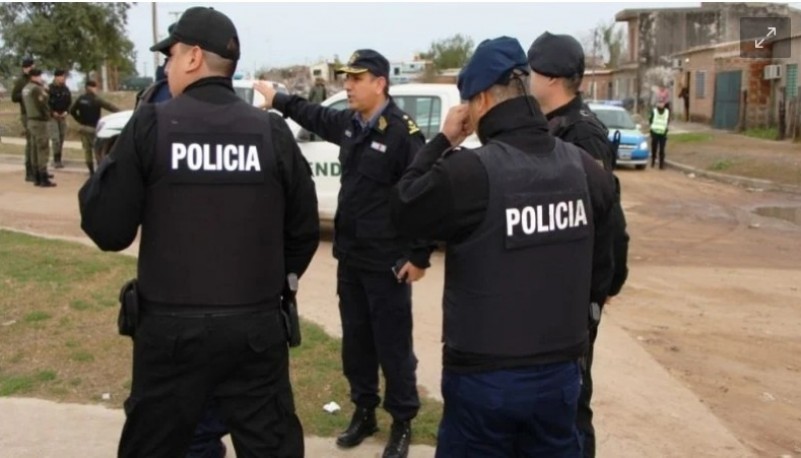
[526, 412]
[658, 146]
[240, 361]
[584, 413]
[376, 314]
[207, 438]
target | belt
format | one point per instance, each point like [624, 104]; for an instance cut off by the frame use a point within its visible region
[206, 311]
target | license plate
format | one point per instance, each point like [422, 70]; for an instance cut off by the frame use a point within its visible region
[625, 155]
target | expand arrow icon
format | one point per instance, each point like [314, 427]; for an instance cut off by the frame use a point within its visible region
[771, 33]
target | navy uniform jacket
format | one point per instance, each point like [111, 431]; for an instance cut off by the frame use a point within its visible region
[373, 159]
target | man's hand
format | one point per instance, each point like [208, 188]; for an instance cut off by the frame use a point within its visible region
[455, 127]
[410, 273]
[266, 89]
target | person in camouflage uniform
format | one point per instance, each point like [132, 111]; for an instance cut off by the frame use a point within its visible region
[16, 97]
[35, 98]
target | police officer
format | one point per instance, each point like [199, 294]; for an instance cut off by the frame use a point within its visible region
[86, 110]
[16, 97]
[60, 102]
[557, 63]
[659, 120]
[34, 97]
[377, 141]
[227, 207]
[525, 219]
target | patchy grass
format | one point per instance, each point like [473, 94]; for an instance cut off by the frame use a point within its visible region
[721, 165]
[64, 345]
[765, 133]
[690, 137]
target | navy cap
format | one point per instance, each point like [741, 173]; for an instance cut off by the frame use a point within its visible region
[204, 27]
[557, 56]
[492, 63]
[366, 60]
[27, 62]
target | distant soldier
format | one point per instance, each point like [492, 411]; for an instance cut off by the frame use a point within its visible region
[16, 97]
[60, 101]
[86, 110]
[37, 110]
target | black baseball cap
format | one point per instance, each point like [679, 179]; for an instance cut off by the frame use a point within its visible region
[557, 56]
[27, 62]
[204, 27]
[366, 60]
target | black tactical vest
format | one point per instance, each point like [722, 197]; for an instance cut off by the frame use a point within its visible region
[520, 284]
[212, 226]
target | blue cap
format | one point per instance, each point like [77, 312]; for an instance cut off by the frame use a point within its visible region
[492, 63]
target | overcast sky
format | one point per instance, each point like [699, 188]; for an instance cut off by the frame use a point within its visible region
[281, 34]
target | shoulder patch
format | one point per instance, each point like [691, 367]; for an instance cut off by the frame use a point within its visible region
[413, 129]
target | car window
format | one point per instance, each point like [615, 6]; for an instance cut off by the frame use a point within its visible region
[245, 93]
[615, 119]
[425, 110]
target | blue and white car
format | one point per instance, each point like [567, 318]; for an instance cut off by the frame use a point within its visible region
[634, 148]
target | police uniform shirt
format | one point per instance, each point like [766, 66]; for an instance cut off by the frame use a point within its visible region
[373, 156]
[112, 201]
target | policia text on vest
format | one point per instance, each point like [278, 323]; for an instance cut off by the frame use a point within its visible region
[564, 215]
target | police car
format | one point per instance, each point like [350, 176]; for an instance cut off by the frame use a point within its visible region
[633, 148]
[426, 103]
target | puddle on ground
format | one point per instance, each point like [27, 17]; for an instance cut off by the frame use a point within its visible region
[792, 214]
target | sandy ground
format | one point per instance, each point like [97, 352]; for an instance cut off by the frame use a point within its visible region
[697, 357]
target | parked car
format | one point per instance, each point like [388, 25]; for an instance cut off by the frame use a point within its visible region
[634, 149]
[426, 103]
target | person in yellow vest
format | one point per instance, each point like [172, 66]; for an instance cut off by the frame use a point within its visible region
[659, 128]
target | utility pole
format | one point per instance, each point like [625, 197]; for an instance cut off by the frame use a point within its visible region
[594, 60]
[155, 33]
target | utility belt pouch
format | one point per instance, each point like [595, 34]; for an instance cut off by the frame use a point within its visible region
[595, 313]
[129, 309]
[289, 310]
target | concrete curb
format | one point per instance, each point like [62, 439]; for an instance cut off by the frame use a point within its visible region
[736, 180]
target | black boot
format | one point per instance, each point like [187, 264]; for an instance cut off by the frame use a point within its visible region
[44, 181]
[362, 425]
[399, 439]
[57, 161]
[37, 178]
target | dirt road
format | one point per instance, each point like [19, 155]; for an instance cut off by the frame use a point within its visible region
[697, 357]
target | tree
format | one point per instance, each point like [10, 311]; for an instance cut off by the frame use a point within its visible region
[605, 41]
[451, 52]
[80, 36]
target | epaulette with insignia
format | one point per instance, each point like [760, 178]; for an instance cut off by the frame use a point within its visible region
[413, 129]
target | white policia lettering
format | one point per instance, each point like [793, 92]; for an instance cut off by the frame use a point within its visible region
[222, 158]
[558, 217]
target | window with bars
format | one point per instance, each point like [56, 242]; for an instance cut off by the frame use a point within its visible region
[700, 84]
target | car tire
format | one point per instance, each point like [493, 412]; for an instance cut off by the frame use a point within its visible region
[640, 166]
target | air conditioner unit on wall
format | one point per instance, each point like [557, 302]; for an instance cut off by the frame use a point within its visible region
[772, 72]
